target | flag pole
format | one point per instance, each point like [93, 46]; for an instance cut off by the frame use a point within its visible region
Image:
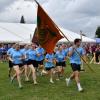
[67, 39]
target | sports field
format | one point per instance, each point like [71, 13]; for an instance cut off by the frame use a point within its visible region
[46, 91]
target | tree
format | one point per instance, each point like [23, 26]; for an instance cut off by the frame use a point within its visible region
[98, 32]
[22, 20]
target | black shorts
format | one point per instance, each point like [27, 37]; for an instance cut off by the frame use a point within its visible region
[63, 64]
[4, 53]
[39, 63]
[48, 69]
[10, 64]
[20, 65]
[25, 62]
[33, 62]
[75, 67]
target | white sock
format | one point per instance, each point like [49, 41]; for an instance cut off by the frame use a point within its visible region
[51, 79]
[79, 86]
[69, 79]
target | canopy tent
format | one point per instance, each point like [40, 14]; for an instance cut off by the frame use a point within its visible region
[16, 32]
[97, 40]
[22, 33]
[72, 36]
[6, 36]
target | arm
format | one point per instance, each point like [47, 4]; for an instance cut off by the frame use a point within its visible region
[46, 58]
[71, 51]
[10, 59]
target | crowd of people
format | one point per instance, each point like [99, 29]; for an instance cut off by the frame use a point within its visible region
[94, 51]
[32, 60]
[3, 52]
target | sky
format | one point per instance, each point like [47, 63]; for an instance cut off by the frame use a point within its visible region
[74, 15]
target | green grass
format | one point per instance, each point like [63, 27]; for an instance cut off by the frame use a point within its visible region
[46, 91]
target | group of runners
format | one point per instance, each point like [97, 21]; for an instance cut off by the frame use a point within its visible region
[31, 60]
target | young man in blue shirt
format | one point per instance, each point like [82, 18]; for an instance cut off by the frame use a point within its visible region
[75, 60]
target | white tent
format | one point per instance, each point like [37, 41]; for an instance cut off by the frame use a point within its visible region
[72, 36]
[6, 36]
[16, 32]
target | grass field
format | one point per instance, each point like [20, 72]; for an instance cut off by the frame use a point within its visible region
[46, 91]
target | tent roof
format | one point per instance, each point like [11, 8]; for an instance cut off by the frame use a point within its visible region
[6, 36]
[17, 32]
[72, 36]
[97, 40]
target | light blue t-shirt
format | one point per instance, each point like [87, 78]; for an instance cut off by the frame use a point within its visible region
[41, 52]
[16, 57]
[65, 51]
[0, 50]
[25, 53]
[10, 51]
[50, 58]
[60, 56]
[31, 54]
[75, 58]
[23, 50]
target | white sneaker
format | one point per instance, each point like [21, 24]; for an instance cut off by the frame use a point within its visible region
[35, 83]
[27, 80]
[67, 81]
[20, 87]
[80, 89]
[11, 79]
[43, 72]
[51, 81]
[57, 79]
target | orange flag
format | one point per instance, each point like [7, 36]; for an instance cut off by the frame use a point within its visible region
[47, 33]
[35, 37]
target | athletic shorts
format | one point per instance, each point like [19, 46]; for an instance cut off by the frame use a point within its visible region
[20, 65]
[75, 67]
[10, 64]
[4, 53]
[39, 63]
[25, 62]
[33, 62]
[48, 69]
[63, 64]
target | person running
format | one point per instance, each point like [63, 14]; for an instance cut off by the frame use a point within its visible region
[60, 60]
[75, 61]
[39, 59]
[25, 61]
[16, 59]
[0, 53]
[64, 52]
[9, 52]
[49, 65]
[4, 53]
[31, 56]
